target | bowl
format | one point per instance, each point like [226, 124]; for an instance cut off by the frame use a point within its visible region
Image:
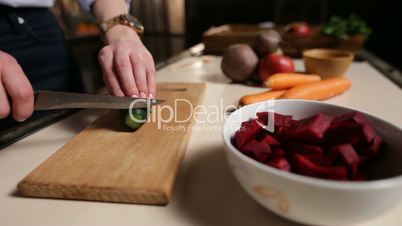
[327, 62]
[311, 200]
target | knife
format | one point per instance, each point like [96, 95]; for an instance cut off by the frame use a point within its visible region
[48, 100]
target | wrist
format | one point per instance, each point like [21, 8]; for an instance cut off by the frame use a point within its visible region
[120, 33]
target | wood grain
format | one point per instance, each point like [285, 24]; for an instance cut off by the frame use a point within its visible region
[105, 162]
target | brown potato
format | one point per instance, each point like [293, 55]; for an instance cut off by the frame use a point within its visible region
[239, 62]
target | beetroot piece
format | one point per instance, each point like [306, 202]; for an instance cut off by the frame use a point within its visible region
[339, 149]
[342, 132]
[308, 168]
[348, 155]
[354, 116]
[248, 131]
[374, 147]
[285, 120]
[271, 140]
[321, 159]
[306, 149]
[259, 150]
[280, 120]
[279, 163]
[278, 153]
[357, 117]
[369, 133]
[312, 128]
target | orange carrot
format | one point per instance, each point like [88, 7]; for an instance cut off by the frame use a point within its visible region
[262, 96]
[320, 90]
[289, 80]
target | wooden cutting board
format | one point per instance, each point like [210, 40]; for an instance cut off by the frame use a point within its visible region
[106, 162]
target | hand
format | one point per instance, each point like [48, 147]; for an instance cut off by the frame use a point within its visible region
[14, 84]
[128, 67]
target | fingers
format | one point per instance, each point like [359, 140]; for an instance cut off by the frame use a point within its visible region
[105, 58]
[140, 75]
[125, 73]
[128, 71]
[17, 86]
[4, 105]
[151, 77]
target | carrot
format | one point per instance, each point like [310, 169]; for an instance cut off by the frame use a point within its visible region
[289, 80]
[257, 97]
[320, 90]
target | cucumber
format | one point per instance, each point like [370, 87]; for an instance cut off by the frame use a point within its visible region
[140, 117]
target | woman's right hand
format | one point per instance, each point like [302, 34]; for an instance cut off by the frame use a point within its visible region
[16, 93]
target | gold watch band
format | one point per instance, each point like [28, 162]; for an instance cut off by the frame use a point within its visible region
[124, 19]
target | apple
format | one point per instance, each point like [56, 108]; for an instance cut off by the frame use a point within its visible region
[274, 63]
[300, 29]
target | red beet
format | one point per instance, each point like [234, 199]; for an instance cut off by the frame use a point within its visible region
[355, 116]
[279, 163]
[312, 128]
[248, 131]
[270, 139]
[279, 120]
[348, 155]
[342, 132]
[320, 159]
[308, 168]
[338, 149]
[259, 150]
[306, 149]
[374, 147]
[278, 153]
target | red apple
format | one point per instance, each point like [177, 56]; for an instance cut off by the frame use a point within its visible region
[274, 63]
[300, 29]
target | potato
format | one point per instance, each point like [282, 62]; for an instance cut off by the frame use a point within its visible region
[267, 42]
[239, 62]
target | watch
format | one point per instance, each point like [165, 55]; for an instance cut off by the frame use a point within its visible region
[124, 19]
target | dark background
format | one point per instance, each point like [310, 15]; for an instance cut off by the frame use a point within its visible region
[384, 17]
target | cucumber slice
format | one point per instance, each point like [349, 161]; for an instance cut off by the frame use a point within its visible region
[140, 116]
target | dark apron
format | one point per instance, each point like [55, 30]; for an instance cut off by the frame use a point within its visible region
[34, 38]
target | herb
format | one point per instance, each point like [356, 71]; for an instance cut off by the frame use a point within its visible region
[344, 28]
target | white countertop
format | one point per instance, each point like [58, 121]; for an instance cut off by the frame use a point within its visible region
[206, 193]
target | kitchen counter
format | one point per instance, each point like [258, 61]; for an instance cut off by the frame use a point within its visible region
[206, 192]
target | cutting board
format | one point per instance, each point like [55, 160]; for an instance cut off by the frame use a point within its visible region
[106, 162]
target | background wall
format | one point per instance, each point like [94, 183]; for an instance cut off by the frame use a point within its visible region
[385, 17]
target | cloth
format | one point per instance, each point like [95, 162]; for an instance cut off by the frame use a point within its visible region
[85, 4]
[33, 37]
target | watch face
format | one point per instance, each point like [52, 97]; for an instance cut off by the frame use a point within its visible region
[134, 22]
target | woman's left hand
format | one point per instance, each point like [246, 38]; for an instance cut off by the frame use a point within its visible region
[128, 67]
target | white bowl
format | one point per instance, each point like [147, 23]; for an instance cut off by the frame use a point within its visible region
[310, 200]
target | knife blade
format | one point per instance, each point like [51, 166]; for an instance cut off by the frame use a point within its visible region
[48, 100]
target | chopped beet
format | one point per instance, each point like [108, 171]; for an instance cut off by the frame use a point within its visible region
[374, 147]
[312, 128]
[369, 133]
[279, 163]
[247, 132]
[270, 139]
[348, 155]
[306, 167]
[301, 148]
[338, 149]
[342, 132]
[354, 116]
[279, 120]
[278, 153]
[320, 159]
[357, 117]
[259, 150]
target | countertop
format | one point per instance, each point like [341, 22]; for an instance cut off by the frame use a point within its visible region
[206, 192]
